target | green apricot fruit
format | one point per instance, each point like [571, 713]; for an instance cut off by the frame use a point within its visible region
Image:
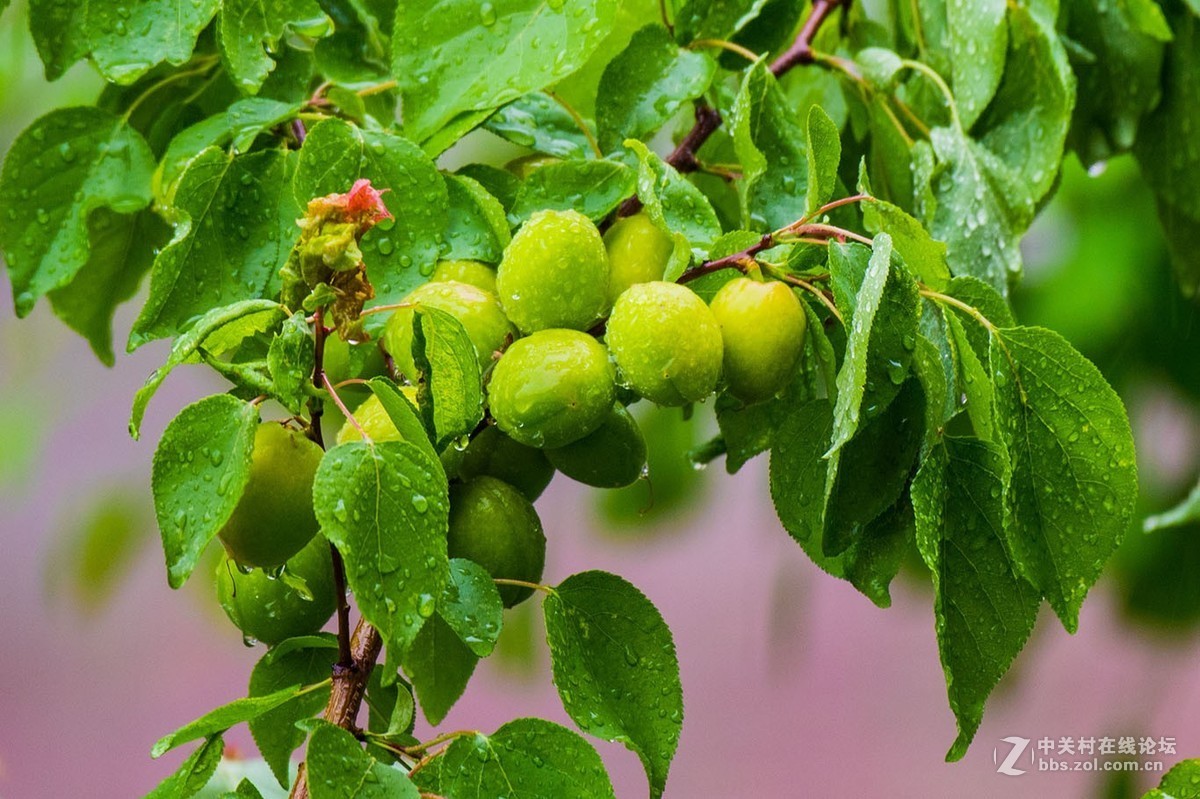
[269, 609]
[274, 518]
[666, 342]
[763, 326]
[376, 423]
[638, 252]
[554, 273]
[494, 454]
[473, 273]
[612, 456]
[552, 388]
[493, 524]
[478, 311]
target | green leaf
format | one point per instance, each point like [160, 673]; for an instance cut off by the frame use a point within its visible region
[385, 506]
[615, 667]
[248, 28]
[450, 393]
[201, 467]
[125, 41]
[539, 122]
[882, 336]
[924, 256]
[399, 256]
[235, 229]
[1186, 512]
[471, 606]
[985, 299]
[673, 202]
[291, 361]
[769, 140]
[1181, 782]
[226, 716]
[338, 768]
[1172, 170]
[477, 228]
[1121, 81]
[979, 209]
[544, 759]
[66, 165]
[978, 40]
[1074, 475]
[230, 323]
[974, 381]
[714, 19]
[593, 188]
[526, 45]
[194, 773]
[121, 250]
[305, 662]
[439, 665]
[984, 610]
[824, 154]
[1026, 123]
[236, 127]
[644, 86]
[406, 418]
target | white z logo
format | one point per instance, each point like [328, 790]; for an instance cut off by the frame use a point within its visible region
[1018, 749]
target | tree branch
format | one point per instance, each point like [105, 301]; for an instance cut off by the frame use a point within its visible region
[801, 51]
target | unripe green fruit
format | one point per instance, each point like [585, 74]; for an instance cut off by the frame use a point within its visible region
[638, 252]
[611, 457]
[494, 454]
[270, 610]
[476, 310]
[763, 327]
[274, 519]
[526, 165]
[473, 273]
[343, 360]
[554, 273]
[493, 524]
[666, 343]
[552, 388]
[375, 422]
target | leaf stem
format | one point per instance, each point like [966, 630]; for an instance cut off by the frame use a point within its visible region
[440, 739]
[523, 584]
[387, 85]
[732, 47]
[342, 407]
[579, 123]
[932, 74]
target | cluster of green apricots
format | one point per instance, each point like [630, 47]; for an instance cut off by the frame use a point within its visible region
[569, 329]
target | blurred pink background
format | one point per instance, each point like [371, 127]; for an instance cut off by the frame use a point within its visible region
[795, 685]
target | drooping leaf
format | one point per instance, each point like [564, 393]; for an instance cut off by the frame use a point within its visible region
[593, 188]
[226, 716]
[231, 323]
[538, 757]
[477, 228]
[1074, 476]
[406, 418]
[525, 44]
[978, 38]
[291, 361]
[439, 665]
[984, 609]
[248, 28]
[200, 469]
[449, 394]
[615, 667]
[824, 154]
[400, 255]
[66, 165]
[338, 768]
[647, 84]
[674, 203]
[294, 662]
[541, 123]
[235, 230]
[120, 252]
[1186, 512]
[924, 256]
[385, 506]
[194, 773]
[770, 143]
[471, 606]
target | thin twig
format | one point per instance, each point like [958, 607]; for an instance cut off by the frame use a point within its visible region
[579, 123]
[801, 51]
